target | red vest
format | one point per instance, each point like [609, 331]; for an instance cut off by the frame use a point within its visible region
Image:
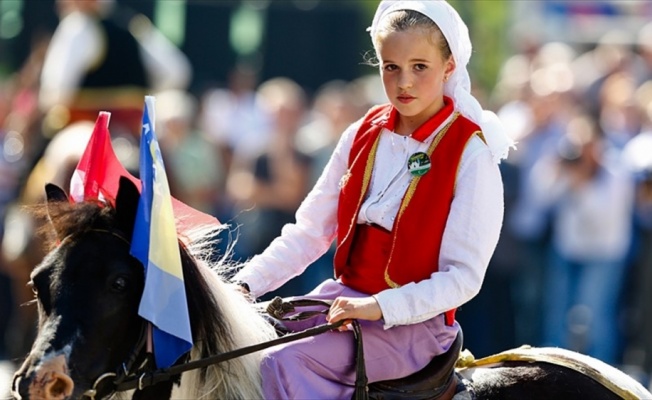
[412, 252]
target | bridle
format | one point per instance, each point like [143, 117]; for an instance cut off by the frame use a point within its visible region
[134, 372]
[137, 361]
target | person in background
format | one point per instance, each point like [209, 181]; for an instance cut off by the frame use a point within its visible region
[612, 55]
[644, 48]
[195, 172]
[235, 118]
[105, 58]
[239, 128]
[637, 156]
[20, 147]
[413, 196]
[270, 188]
[542, 123]
[591, 201]
[337, 104]
[619, 116]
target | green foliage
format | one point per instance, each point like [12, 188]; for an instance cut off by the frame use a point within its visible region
[488, 22]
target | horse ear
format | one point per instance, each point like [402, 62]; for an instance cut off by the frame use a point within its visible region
[126, 205]
[55, 193]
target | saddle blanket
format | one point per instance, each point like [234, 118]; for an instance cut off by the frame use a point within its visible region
[610, 377]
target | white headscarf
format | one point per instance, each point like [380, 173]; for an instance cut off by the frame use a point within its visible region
[458, 86]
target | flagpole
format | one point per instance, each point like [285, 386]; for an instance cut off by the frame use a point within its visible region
[150, 102]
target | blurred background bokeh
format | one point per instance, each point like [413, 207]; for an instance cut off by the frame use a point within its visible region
[252, 96]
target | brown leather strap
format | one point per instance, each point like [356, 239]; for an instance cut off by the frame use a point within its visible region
[278, 308]
[361, 382]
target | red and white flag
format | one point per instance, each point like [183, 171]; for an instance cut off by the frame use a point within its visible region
[97, 176]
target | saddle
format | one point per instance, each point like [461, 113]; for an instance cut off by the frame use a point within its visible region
[435, 381]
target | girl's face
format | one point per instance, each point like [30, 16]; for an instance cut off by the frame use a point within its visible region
[413, 70]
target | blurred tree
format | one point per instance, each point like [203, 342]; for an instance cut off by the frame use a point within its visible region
[488, 23]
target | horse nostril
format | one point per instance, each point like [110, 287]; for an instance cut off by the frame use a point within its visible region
[48, 381]
[58, 387]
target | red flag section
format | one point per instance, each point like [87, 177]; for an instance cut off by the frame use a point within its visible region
[98, 174]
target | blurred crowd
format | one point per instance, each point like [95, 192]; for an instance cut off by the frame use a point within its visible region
[573, 267]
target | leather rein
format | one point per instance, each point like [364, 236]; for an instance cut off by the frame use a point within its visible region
[139, 379]
[133, 373]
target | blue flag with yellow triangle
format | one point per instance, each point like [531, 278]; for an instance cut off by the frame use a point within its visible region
[155, 244]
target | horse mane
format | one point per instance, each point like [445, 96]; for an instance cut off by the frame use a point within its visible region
[67, 219]
[222, 319]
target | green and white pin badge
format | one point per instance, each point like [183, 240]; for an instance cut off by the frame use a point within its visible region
[418, 164]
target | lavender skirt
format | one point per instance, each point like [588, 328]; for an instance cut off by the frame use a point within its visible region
[323, 366]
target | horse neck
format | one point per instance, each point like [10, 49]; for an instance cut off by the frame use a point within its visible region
[238, 378]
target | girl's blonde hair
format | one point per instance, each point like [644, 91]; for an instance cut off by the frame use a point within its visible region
[402, 20]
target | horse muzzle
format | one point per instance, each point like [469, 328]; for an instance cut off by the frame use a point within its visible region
[49, 381]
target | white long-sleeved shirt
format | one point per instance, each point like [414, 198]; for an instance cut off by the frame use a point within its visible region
[78, 43]
[469, 239]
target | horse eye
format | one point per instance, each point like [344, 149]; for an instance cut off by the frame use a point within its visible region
[119, 284]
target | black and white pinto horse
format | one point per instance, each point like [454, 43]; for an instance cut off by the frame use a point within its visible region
[90, 336]
[88, 289]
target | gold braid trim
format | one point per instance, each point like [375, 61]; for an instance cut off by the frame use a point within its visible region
[481, 136]
[408, 196]
[368, 170]
[366, 178]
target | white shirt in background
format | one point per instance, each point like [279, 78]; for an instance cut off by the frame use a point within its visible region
[78, 44]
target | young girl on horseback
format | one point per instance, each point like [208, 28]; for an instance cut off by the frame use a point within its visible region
[414, 198]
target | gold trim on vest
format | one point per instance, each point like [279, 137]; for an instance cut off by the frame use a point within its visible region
[366, 179]
[408, 196]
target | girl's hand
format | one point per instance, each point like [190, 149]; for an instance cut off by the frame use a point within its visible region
[348, 308]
